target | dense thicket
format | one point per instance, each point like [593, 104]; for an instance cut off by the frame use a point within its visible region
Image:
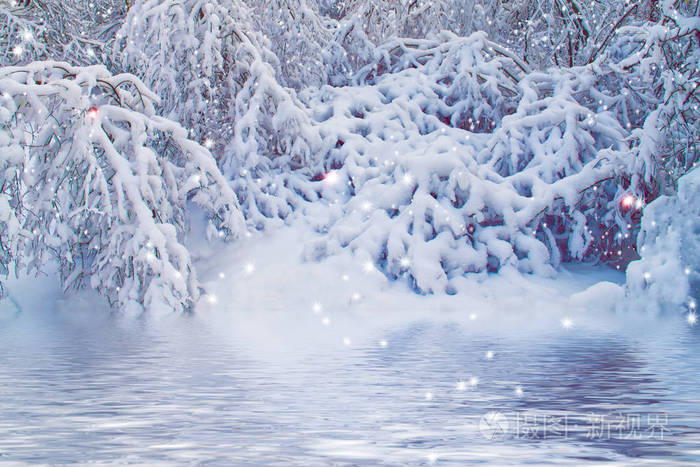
[433, 138]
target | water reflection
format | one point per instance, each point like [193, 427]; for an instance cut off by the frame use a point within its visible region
[97, 387]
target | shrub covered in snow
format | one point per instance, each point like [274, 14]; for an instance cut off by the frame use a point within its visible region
[362, 25]
[543, 33]
[57, 29]
[216, 75]
[92, 178]
[451, 156]
[668, 275]
[429, 149]
[298, 35]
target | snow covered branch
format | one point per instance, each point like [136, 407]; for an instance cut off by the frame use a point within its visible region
[57, 30]
[433, 138]
[449, 165]
[92, 178]
[216, 75]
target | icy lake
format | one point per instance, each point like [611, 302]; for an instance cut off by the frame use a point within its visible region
[267, 388]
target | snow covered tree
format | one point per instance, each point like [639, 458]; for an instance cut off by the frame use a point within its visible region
[451, 138]
[548, 32]
[542, 32]
[460, 158]
[414, 200]
[297, 34]
[92, 178]
[667, 274]
[665, 58]
[386, 19]
[363, 25]
[215, 73]
[57, 30]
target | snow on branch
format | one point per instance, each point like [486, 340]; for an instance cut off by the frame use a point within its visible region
[297, 35]
[92, 178]
[448, 165]
[216, 75]
[64, 30]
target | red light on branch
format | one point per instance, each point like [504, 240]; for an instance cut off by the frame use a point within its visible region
[628, 202]
[93, 113]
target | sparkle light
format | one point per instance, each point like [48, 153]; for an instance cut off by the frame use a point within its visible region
[331, 178]
[17, 50]
[383, 343]
[366, 206]
[93, 113]
[356, 296]
[222, 275]
[692, 318]
[567, 323]
[461, 386]
[326, 321]
[428, 396]
[473, 381]
[249, 268]
[628, 201]
[519, 391]
[405, 262]
[472, 316]
[407, 179]
[317, 308]
[368, 267]
[489, 354]
[27, 35]
[211, 299]
[347, 341]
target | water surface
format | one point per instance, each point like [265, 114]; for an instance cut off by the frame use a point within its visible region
[97, 387]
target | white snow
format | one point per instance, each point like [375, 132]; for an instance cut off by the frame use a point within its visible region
[101, 185]
[339, 302]
[286, 290]
[429, 143]
[668, 275]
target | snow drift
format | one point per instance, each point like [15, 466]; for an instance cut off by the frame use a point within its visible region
[668, 274]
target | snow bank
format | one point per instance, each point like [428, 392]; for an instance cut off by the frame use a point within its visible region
[668, 275]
